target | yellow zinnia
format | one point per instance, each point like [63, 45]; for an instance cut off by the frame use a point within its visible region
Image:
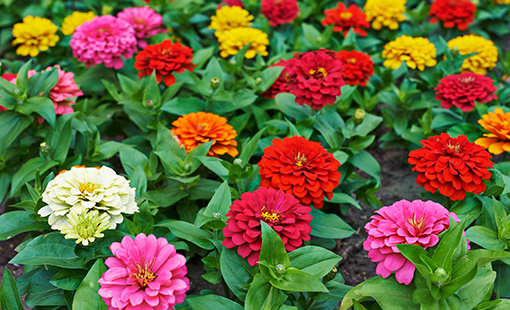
[387, 13]
[74, 20]
[485, 59]
[232, 41]
[230, 17]
[34, 34]
[416, 52]
[498, 124]
[501, 1]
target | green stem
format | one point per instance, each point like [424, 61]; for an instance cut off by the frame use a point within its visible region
[309, 303]
[503, 159]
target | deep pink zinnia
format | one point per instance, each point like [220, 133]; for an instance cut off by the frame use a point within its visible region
[146, 273]
[317, 78]
[462, 90]
[238, 3]
[279, 12]
[144, 20]
[290, 219]
[404, 222]
[105, 39]
[280, 85]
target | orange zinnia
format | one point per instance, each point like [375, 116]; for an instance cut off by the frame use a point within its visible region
[498, 124]
[195, 129]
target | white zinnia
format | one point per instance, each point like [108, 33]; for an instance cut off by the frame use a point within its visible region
[87, 189]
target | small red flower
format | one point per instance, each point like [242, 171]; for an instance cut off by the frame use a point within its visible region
[279, 12]
[452, 165]
[462, 90]
[460, 13]
[344, 19]
[281, 211]
[165, 58]
[280, 85]
[317, 78]
[300, 167]
[358, 66]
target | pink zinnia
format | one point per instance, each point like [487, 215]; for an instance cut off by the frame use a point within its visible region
[404, 222]
[279, 12]
[105, 39]
[144, 21]
[280, 85]
[146, 273]
[290, 219]
[238, 3]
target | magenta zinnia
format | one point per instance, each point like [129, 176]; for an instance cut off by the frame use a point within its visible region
[290, 219]
[144, 21]
[146, 273]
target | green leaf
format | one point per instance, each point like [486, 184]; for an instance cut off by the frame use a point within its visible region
[220, 202]
[86, 297]
[131, 159]
[370, 122]
[447, 245]
[41, 292]
[16, 222]
[182, 106]
[298, 281]
[152, 94]
[11, 126]
[27, 172]
[236, 272]
[286, 103]
[500, 217]
[269, 76]
[314, 260]
[68, 279]
[249, 147]
[60, 138]
[445, 119]
[485, 237]
[329, 226]
[128, 85]
[190, 232]
[10, 299]
[263, 296]
[215, 302]
[272, 251]
[215, 164]
[201, 56]
[22, 77]
[367, 163]
[167, 195]
[344, 198]
[40, 105]
[191, 163]
[475, 292]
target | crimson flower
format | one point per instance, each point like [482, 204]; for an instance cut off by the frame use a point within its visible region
[280, 85]
[460, 13]
[279, 12]
[358, 67]
[344, 19]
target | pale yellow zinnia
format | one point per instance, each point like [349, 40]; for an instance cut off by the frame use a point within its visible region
[85, 227]
[74, 20]
[230, 17]
[486, 57]
[385, 13]
[232, 41]
[416, 52]
[35, 34]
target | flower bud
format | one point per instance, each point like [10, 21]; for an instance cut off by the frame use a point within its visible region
[280, 269]
[16, 91]
[455, 50]
[331, 275]
[215, 83]
[106, 10]
[441, 275]
[359, 116]
[40, 94]
[258, 80]
[238, 161]
[216, 215]
[44, 148]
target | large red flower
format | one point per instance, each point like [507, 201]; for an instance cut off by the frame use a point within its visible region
[279, 12]
[300, 167]
[281, 211]
[344, 19]
[460, 13]
[358, 67]
[462, 90]
[316, 78]
[281, 84]
[452, 165]
[164, 58]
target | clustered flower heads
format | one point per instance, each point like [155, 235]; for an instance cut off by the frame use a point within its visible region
[301, 168]
[279, 12]
[281, 211]
[464, 90]
[34, 34]
[358, 67]
[497, 123]
[144, 21]
[145, 273]
[404, 222]
[460, 13]
[416, 52]
[486, 57]
[74, 20]
[233, 40]
[81, 190]
[230, 17]
[105, 39]
[343, 19]
[455, 166]
[281, 84]
[385, 13]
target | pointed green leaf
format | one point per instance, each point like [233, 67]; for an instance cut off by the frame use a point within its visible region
[86, 297]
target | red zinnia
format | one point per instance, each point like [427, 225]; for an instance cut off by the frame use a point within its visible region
[300, 167]
[165, 58]
[280, 85]
[279, 12]
[358, 67]
[345, 19]
[316, 78]
[452, 165]
[453, 12]
[462, 90]
[281, 211]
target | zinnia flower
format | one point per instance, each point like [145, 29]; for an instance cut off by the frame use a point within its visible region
[497, 124]
[238, 3]
[232, 41]
[485, 59]
[281, 211]
[74, 20]
[452, 165]
[460, 13]
[280, 85]
[416, 52]
[104, 40]
[87, 189]
[165, 58]
[146, 273]
[317, 78]
[358, 67]
[344, 19]
[85, 227]
[230, 17]
[279, 12]
[462, 90]
[144, 21]
[501, 1]
[35, 34]
[387, 13]
[301, 168]
[404, 222]
[195, 129]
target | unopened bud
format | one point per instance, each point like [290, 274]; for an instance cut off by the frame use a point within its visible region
[149, 103]
[331, 275]
[44, 148]
[16, 91]
[238, 161]
[476, 2]
[455, 50]
[280, 269]
[233, 61]
[258, 80]
[441, 275]
[40, 94]
[216, 215]
[106, 10]
[215, 83]
[359, 116]
[19, 101]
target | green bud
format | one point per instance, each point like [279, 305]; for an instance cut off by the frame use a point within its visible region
[280, 269]
[106, 10]
[238, 161]
[216, 215]
[258, 80]
[215, 83]
[44, 148]
[441, 275]
[359, 116]
[331, 275]
[455, 50]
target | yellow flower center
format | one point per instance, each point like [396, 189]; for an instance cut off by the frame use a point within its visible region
[466, 80]
[143, 276]
[139, 21]
[453, 147]
[269, 216]
[351, 60]
[300, 160]
[88, 187]
[319, 73]
[203, 126]
[416, 223]
[346, 15]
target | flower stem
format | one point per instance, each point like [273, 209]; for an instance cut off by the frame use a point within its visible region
[503, 159]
